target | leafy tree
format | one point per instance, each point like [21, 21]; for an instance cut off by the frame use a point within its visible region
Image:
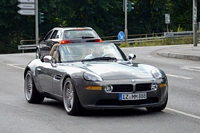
[105, 16]
[148, 16]
[181, 15]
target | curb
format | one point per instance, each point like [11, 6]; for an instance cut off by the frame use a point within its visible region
[179, 56]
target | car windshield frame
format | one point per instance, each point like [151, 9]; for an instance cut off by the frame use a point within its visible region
[82, 52]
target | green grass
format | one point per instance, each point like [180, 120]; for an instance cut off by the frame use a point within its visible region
[158, 42]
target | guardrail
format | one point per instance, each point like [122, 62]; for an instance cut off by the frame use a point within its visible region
[178, 34]
[26, 46]
[134, 39]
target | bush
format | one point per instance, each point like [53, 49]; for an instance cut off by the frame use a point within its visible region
[124, 44]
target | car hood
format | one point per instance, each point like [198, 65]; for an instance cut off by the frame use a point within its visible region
[120, 71]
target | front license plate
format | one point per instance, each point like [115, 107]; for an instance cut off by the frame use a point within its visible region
[136, 96]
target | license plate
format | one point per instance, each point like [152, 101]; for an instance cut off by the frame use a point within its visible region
[135, 96]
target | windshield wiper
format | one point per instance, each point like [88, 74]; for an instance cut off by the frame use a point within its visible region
[101, 59]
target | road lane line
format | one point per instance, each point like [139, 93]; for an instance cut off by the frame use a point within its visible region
[15, 65]
[183, 113]
[177, 76]
[191, 68]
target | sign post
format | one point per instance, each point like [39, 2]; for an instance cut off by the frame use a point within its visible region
[195, 22]
[121, 36]
[127, 7]
[167, 20]
[27, 1]
[36, 24]
[30, 7]
[126, 30]
[26, 6]
[26, 12]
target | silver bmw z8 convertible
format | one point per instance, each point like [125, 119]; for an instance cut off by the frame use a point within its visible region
[95, 76]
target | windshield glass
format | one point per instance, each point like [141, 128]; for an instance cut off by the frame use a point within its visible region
[86, 51]
[70, 34]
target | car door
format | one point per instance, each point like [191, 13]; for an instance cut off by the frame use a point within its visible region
[44, 48]
[49, 41]
[44, 77]
[56, 37]
[57, 78]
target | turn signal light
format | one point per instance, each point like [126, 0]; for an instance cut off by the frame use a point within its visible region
[163, 85]
[65, 41]
[93, 88]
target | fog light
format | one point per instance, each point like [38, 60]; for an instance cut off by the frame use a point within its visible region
[108, 88]
[154, 86]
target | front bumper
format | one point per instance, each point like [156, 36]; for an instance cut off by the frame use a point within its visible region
[100, 99]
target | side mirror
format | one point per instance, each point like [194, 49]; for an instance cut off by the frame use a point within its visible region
[131, 57]
[41, 38]
[47, 59]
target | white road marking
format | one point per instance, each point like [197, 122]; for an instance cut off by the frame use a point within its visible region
[177, 76]
[191, 68]
[183, 113]
[15, 65]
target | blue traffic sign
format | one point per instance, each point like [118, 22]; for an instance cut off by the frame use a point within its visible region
[121, 36]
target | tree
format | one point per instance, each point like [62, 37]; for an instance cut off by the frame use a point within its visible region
[148, 16]
[181, 15]
[105, 16]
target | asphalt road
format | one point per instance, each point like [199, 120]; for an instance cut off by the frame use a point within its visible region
[182, 114]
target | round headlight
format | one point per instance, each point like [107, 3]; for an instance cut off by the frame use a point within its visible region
[156, 73]
[91, 77]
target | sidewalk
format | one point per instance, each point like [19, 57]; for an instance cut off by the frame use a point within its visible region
[186, 51]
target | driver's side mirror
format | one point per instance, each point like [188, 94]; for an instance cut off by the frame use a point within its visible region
[47, 59]
[41, 38]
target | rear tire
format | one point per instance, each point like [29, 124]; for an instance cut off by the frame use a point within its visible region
[70, 98]
[158, 108]
[30, 91]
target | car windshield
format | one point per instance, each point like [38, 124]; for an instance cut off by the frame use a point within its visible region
[70, 34]
[90, 52]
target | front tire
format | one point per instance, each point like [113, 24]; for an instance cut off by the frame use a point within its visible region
[70, 98]
[30, 91]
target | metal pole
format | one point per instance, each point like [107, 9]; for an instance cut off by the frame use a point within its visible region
[167, 28]
[36, 23]
[195, 22]
[125, 30]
